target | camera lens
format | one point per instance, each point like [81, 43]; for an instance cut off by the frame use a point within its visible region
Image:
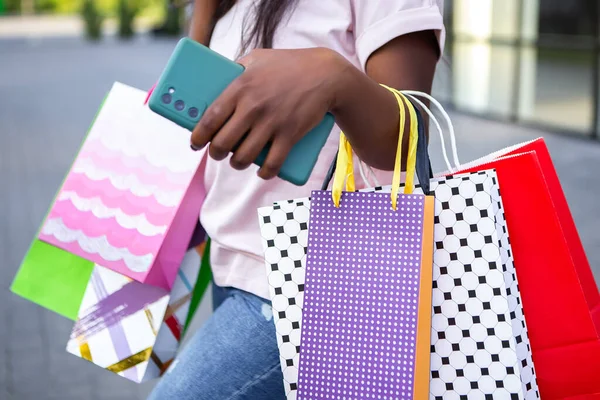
[166, 98]
[193, 112]
[179, 105]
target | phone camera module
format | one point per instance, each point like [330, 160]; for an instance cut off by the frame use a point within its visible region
[179, 105]
[193, 112]
[167, 98]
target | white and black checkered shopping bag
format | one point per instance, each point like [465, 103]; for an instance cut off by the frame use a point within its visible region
[479, 342]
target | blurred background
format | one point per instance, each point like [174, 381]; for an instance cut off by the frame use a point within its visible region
[513, 70]
[534, 62]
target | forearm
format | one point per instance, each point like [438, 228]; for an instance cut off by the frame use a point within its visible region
[368, 113]
[202, 21]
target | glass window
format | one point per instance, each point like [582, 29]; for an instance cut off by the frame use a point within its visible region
[566, 17]
[483, 77]
[486, 19]
[547, 78]
[556, 88]
[505, 19]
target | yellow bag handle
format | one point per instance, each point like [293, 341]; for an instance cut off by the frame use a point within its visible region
[345, 165]
[344, 170]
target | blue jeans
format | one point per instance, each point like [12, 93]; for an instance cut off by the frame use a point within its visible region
[234, 356]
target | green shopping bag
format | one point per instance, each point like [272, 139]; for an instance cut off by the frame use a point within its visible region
[53, 278]
[204, 279]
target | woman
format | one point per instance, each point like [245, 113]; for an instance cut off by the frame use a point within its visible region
[313, 57]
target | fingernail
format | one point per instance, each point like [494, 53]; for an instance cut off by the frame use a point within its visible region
[193, 147]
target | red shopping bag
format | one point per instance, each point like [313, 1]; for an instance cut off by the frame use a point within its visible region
[582, 265]
[560, 297]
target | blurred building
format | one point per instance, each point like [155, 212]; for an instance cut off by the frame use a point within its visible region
[530, 61]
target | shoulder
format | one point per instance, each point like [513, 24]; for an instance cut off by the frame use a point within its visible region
[377, 22]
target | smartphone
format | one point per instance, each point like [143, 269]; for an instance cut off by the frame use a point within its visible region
[196, 75]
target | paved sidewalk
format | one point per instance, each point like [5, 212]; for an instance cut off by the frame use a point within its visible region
[49, 93]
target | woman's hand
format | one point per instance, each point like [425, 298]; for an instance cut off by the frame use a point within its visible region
[279, 98]
[283, 94]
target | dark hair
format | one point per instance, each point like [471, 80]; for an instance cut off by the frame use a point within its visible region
[267, 16]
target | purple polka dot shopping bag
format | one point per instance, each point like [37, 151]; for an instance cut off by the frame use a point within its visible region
[368, 274]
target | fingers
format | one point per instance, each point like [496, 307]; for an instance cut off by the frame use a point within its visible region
[215, 117]
[279, 151]
[251, 147]
[229, 136]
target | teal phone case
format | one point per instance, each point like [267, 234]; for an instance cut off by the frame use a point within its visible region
[196, 75]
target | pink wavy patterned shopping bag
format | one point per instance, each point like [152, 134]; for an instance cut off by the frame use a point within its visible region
[131, 200]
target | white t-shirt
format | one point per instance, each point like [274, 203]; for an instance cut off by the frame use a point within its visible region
[355, 29]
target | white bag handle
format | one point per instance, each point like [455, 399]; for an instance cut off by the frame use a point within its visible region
[437, 126]
[412, 94]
